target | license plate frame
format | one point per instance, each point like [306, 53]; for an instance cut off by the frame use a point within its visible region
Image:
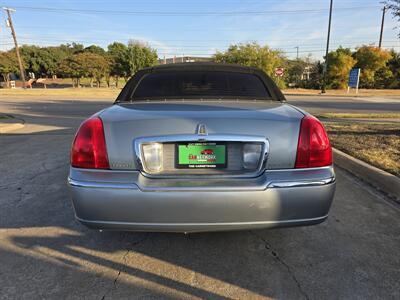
[217, 148]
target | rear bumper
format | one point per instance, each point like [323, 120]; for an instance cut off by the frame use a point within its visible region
[129, 201]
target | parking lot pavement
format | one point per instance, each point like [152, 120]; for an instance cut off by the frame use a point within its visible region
[45, 253]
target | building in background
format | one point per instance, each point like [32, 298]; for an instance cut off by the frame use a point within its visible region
[182, 59]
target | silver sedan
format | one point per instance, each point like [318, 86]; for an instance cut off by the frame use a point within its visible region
[201, 147]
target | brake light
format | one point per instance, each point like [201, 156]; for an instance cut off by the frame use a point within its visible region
[89, 148]
[314, 148]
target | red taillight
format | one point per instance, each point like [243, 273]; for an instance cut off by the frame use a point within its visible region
[89, 147]
[314, 148]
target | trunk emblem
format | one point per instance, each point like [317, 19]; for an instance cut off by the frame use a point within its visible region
[201, 129]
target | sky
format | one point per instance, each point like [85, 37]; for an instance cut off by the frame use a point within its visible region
[201, 27]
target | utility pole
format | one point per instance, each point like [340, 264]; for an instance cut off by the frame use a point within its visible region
[297, 52]
[21, 68]
[383, 22]
[323, 91]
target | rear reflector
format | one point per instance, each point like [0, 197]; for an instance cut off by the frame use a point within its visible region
[314, 148]
[89, 148]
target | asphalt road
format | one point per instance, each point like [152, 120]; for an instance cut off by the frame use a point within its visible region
[45, 253]
[325, 104]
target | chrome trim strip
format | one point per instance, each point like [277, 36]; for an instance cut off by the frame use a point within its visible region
[138, 142]
[291, 184]
[200, 224]
[300, 169]
[108, 185]
[175, 188]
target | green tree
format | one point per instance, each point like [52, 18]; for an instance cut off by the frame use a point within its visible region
[95, 49]
[394, 66]
[295, 69]
[56, 55]
[303, 73]
[73, 48]
[43, 61]
[85, 64]
[8, 65]
[117, 58]
[370, 59]
[38, 60]
[394, 7]
[96, 66]
[389, 75]
[383, 78]
[340, 62]
[138, 56]
[254, 55]
[72, 67]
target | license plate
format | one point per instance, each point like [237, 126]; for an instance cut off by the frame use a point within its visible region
[200, 155]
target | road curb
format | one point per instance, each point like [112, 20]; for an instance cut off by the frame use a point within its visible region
[378, 178]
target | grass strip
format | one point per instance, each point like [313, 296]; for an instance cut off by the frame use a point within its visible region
[375, 143]
[359, 116]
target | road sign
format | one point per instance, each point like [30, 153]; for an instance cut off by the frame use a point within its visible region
[354, 79]
[279, 71]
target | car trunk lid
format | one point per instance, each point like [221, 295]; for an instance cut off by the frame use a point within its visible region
[276, 121]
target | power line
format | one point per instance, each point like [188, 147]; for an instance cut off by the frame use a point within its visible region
[224, 44]
[186, 13]
[50, 37]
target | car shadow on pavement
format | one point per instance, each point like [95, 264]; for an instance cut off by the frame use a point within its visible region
[208, 265]
[43, 244]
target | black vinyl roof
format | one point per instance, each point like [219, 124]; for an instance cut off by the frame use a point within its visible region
[275, 92]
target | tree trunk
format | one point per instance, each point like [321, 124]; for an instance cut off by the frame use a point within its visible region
[91, 82]
[6, 78]
[116, 78]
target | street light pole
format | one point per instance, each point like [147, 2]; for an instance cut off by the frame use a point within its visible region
[383, 22]
[327, 50]
[21, 68]
[297, 52]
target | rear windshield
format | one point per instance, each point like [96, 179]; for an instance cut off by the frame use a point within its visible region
[200, 84]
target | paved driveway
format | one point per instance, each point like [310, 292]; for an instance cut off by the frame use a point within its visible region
[45, 253]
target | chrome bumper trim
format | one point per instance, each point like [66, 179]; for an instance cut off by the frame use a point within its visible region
[189, 187]
[290, 184]
[200, 224]
[107, 185]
